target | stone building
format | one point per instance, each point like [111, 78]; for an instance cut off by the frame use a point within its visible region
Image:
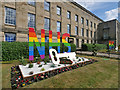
[65, 17]
[109, 31]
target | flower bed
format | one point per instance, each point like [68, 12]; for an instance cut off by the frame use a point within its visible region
[18, 81]
[64, 61]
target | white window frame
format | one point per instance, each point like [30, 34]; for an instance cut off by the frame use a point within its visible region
[46, 5]
[9, 37]
[6, 16]
[76, 17]
[31, 2]
[58, 11]
[76, 30]
[69, 31]
[47, 29]
[33, 16]
[68, 14]
[59, 23]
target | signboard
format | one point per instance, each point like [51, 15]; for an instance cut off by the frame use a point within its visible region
[41, 48]
[111, 44]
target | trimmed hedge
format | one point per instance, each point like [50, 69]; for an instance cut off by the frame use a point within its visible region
[89, 47]
[15, 50]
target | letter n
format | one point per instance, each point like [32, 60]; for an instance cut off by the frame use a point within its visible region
[32, 39]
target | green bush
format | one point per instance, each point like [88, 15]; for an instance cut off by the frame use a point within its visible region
[53, 65]
[89, 47]
[30, 65]
[42, 69]
[16, 50]
[40, 66]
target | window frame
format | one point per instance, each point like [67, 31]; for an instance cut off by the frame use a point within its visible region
[10, 39]
[68, 12]
[45, 2]
[83, 41]
[105, 34]
[76, 16]
[91, 34]
[82, 32]
[6, 16]
[87, 22]
[82, 20]
[95, 25]
[88, 41]
[44, 23]
[57, 26]
[91, 41]
[30, 2]
[91, 24]
[77, 42]
[47, 37]
[69, 28]
[95, 34]
[76, 32]
[87, 33]
[31, 14]
[59, 10]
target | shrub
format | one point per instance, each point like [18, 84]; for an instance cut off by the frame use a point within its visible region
[53, 65]
[40, 66]
[89, 47]
[36, 59]
[59, 65]
[15, 50]
[103, 50]
[42, 69]
[30, 73]
[30, 65]
[101, 46]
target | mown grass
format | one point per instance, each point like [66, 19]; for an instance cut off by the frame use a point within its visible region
[102, 74]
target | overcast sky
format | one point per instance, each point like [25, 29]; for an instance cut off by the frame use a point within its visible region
[104, 10]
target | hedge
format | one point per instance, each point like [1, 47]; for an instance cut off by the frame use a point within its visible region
[16, 50]
[89, 47]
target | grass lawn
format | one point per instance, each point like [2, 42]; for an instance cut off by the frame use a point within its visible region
[102, 74]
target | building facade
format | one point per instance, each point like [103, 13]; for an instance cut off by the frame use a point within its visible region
[109, 31]
[64, 17]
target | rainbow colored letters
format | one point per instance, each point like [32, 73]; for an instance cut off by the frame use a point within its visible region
[41, 49]
[111, 44]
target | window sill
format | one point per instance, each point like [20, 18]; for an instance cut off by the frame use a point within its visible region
[59, 15]
[47, 10]
[68, 18]
[32, 5]
[6, 24]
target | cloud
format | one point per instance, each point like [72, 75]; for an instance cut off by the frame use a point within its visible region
[91, 5]
[87, 5]
[111, 14]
